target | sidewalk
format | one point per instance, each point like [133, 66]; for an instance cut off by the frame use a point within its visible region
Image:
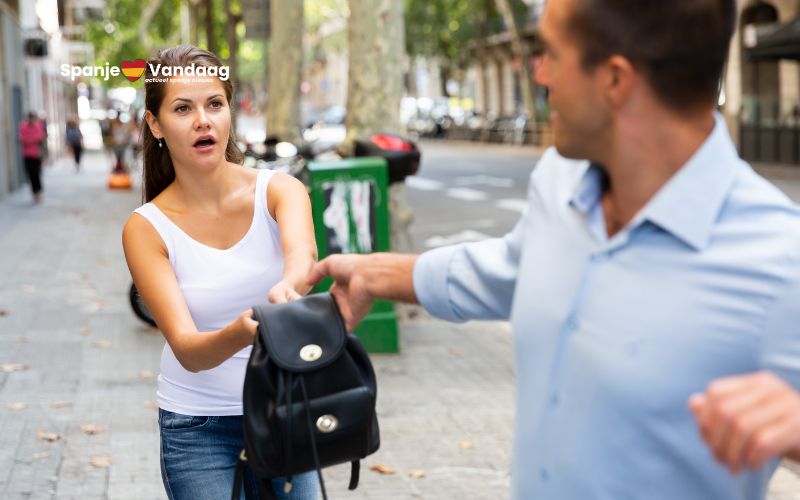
[445, 403]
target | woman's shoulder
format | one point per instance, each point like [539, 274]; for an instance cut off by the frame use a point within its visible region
[139, 232]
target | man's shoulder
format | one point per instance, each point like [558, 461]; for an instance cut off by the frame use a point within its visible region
[757, 196]
[554, 172]
[758, 213]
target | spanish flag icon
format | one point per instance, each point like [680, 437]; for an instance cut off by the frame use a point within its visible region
[133, 70]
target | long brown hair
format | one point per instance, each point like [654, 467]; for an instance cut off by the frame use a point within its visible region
[158, 169]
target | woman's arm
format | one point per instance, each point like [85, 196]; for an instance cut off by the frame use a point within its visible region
[148, 261]
[289, 205]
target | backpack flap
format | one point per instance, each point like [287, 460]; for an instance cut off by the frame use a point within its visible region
[299, 335]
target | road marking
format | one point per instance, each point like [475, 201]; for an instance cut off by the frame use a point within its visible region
[513, 204]
[462, 237]
[466, 194]
[485, 180]
[423, 184]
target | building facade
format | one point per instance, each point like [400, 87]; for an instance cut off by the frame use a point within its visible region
[761, 98]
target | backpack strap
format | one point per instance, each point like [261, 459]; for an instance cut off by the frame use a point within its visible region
[238, 477]
[313, 439]
[355, 468]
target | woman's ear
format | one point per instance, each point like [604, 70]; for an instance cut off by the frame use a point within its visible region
[152, 122]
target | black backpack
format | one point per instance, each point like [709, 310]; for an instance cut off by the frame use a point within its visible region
[309, 395]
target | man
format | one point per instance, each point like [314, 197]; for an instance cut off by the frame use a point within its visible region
[635, 279]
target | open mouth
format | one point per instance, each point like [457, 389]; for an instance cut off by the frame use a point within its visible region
[204, 141]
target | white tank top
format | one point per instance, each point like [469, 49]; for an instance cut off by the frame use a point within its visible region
[218, 285]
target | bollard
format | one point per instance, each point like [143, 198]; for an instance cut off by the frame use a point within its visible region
[350, 204]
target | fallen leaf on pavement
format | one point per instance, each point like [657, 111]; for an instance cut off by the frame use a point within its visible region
[102, 344]
[101, 462]
[416, 473]
[12, 367]
[61, 404]
[151, 404]
[97, 305]
[48, 436]
[4, 312]
[17, 406]
[92, 429]
[382, 469]
[84, 331]
[145, 374]
[454, 351]
[465, 445]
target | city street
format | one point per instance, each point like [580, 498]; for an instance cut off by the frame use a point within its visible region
[77, 369]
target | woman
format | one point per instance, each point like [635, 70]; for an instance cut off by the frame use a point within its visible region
[213, 239]
[32, 135]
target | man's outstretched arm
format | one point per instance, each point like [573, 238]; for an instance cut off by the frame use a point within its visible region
[360, 279]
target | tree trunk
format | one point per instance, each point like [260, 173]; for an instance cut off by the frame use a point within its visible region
[194, 22]
[233, 49]
[210, 40]
[521, 53]
[147, 16]
[376, 35]
[285, 69]
[482, 54]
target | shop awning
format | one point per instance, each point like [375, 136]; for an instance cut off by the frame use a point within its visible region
[782, 42]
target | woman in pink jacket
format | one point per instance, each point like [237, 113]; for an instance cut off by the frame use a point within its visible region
[31, 135]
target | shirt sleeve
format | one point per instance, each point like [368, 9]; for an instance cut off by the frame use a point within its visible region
[781, 348]
[472, 280]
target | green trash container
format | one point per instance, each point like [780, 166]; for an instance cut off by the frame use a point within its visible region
[350, 203]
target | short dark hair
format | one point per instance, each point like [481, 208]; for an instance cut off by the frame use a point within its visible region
[679, 45]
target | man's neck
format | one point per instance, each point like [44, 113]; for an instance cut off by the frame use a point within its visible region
[643, 155]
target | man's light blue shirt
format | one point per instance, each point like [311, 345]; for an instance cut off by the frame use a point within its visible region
[612, 335]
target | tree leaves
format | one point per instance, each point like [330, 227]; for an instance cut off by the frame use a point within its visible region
[12, 367]
[383, 469]
[92, 429]
[100, 462]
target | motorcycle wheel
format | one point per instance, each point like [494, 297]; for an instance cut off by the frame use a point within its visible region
[139, 309]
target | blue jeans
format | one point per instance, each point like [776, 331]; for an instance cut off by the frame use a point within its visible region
[199, 456]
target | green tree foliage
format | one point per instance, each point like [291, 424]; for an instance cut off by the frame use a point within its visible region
[444, 28]
[133, 29]
[118, 37]
[450, 30]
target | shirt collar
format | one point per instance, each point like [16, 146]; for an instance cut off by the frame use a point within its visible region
[689, 203]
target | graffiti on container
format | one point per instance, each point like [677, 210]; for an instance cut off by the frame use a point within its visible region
[349, 216]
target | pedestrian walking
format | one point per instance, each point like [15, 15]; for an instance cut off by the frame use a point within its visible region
[31, 135]
[121, 139]
[75, 142]
[651, 264]
[108, 139]
[212, 240]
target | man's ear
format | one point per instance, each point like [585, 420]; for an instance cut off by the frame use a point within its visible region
[620, 79]
[152, 122]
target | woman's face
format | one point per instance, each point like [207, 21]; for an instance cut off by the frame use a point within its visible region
[195, 121]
